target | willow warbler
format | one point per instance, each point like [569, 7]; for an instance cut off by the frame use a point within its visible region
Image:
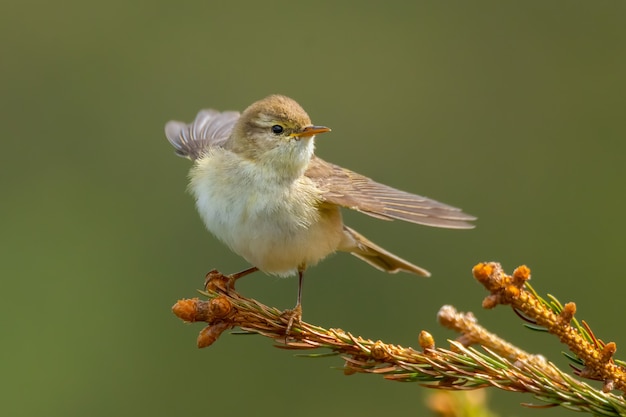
[261, 190]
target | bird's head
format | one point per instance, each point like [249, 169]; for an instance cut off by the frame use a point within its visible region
[276, 132]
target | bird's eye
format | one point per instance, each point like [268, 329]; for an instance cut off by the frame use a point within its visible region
[277, 129]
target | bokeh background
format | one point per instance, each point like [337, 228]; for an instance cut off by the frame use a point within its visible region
[513, 111]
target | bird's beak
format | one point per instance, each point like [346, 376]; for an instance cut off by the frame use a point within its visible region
[311, 131]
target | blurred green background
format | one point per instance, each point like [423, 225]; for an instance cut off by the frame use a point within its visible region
[513, 111]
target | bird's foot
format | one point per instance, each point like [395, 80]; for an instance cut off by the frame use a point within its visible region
[216, 280]
[293, 315]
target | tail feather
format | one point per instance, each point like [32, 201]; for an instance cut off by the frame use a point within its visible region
[378, 257]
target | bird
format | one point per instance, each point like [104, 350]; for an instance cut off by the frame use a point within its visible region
[261, 190]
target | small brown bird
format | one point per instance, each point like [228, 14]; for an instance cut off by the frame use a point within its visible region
[260, 189]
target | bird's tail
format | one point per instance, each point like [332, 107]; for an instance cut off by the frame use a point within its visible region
[378, 257]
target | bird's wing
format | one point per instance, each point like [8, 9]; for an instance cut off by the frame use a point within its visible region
[210, 128]
[349, 189]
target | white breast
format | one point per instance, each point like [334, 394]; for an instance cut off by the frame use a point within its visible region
[275, 226]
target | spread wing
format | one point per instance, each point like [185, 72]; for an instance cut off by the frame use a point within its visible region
[210, 128]
[349, 189]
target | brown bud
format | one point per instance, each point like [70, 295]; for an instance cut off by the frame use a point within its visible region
[219, 307]
[567, 314]
[186, 309]
[490, 301]
[426, 340]
[608, 351]
[521, 274]
[209, 334]
[482, 271]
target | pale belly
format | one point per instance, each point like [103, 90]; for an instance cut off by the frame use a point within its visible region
[277, 229]
[280, 247]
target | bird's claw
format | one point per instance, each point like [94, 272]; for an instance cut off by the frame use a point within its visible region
[293, 315]
[215, 280]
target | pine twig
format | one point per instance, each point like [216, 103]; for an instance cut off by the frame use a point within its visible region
[595, 355]
[458, 368]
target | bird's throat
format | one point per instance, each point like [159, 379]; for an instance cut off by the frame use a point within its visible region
[287, 163]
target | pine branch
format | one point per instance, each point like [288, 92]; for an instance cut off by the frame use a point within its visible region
[498, 364]
[595, 356]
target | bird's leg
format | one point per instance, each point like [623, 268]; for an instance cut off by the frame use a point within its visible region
[295, 314]
[234, 277]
